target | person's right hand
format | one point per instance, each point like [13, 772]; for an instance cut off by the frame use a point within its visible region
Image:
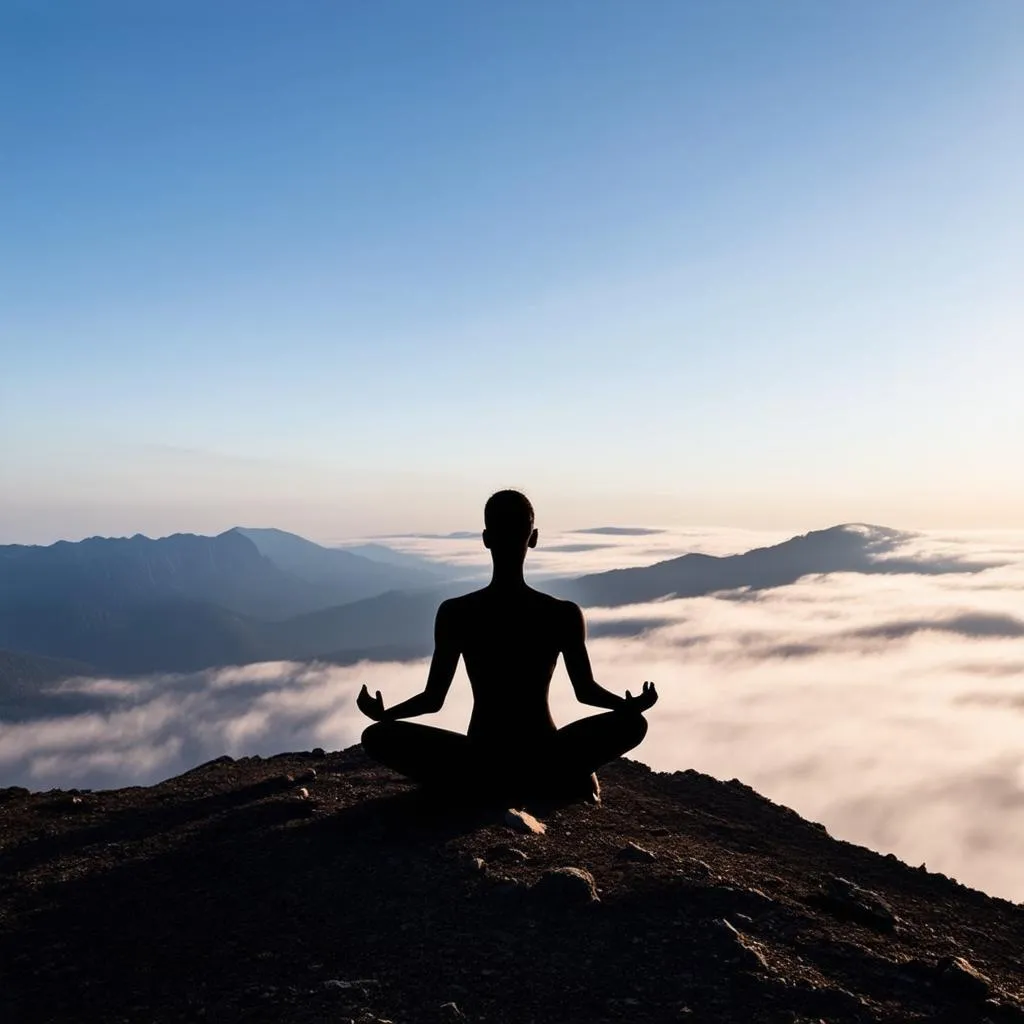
[372, 707]
[647, 698]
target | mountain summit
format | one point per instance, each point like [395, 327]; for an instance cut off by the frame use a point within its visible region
[317, 887]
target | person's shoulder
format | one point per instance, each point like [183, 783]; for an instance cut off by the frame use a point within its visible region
[454, 607]
[566, 611]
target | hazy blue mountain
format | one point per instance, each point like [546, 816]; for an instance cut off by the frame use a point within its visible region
[25, 677]
[181, 634]
[848, 548]
[389, 556]
[123, 572]
[172, 635]
[135, 604]
[20, 672]
[401, 622]
[340, 575]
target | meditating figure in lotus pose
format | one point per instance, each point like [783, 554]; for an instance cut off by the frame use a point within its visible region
[510, 637]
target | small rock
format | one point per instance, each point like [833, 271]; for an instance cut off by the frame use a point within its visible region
[506, 888]
[522, 821]
[634, 852]
[309, 775]
[302, 793]
[318, 752]
[565, 887]
[741, 949]
[479, 864]
[849, 902]
[504, 854]
[961, 977]
[698, 868]
[450, 1011]
[358, 986]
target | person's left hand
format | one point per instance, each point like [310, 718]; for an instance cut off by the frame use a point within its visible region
[372, 707]
[644, 700]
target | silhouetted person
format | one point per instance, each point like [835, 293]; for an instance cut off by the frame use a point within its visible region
[510, 637]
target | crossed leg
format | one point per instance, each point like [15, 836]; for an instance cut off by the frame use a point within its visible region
[422, 753]
[439, 757]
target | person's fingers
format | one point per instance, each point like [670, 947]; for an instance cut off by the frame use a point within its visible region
[380, 699]
[629, 696]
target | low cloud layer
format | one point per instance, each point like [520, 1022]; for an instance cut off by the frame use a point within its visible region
[576, 552]
[890, 708]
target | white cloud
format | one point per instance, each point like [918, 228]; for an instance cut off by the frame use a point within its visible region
[819, 694]
[599, 551]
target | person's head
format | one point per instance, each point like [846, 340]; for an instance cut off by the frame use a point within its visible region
[508, 523]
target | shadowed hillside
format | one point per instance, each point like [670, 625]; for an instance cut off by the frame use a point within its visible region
[317, 887]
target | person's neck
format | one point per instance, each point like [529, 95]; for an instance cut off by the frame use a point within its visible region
[507, 576]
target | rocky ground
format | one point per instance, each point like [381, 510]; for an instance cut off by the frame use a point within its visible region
[315, 887]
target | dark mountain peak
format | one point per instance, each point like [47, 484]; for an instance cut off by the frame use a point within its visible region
[854, 533]
[848, 547]
[310, 887]
[185, 601]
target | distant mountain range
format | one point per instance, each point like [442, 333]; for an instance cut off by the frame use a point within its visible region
[264, 573]
[852, 547]
[181, 603]
[135, 604]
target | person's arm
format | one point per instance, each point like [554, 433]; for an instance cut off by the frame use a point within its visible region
[439, 679]
[587, 689]
[581, 675]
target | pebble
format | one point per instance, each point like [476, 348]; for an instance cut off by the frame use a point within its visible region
[698, 868]
[744, 951]
[506, 854]
[356, 985]
[522, 821]
[565, 887]
[962, 977]
[848, 901]
[635, 852]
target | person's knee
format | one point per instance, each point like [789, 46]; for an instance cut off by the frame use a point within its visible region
[634, 727]
[375, 738]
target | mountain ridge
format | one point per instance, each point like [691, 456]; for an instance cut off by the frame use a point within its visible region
[314, 886]
[187, 633]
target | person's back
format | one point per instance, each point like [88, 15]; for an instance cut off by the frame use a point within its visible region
[510, 642]
[509, 636]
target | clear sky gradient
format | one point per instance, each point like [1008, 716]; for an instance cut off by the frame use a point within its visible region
[346, 267]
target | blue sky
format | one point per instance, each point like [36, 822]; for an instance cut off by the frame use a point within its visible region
[346, 267]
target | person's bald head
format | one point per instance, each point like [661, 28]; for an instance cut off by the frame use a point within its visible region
[509, 521]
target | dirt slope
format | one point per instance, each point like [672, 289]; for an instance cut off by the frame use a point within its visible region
[227, 894]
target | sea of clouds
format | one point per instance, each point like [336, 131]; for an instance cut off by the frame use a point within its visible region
[888, 707]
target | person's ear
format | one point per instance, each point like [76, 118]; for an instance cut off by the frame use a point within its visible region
[485, 539]
[532, 542]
